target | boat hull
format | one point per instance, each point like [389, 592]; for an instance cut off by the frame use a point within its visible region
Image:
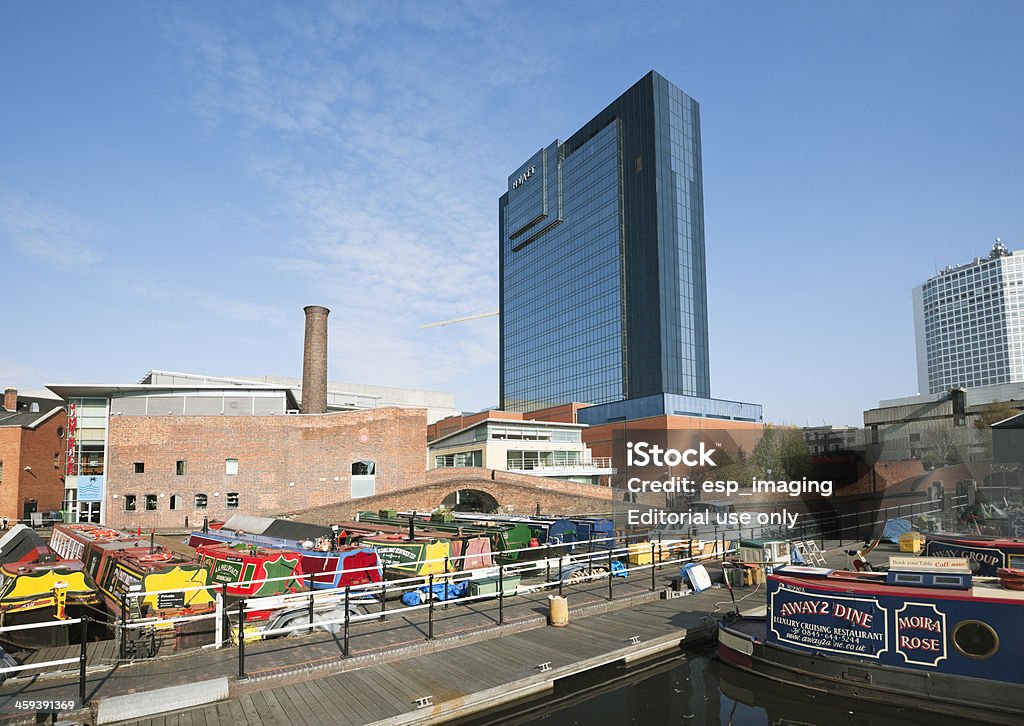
[743, 646]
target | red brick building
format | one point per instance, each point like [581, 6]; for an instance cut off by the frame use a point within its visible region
[32, 434]
[161, 469]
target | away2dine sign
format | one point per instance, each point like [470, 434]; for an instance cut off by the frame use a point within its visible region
[863, 627]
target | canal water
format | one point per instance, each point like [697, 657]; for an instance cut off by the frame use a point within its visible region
[694, 690]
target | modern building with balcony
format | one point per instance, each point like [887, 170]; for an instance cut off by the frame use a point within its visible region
[540, 448]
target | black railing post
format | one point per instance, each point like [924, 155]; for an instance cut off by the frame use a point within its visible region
[447, 581]
[501, 594]
[310, 604]
[561, 575]
[430, 607]
[84, 634]
[348, 617]
[547, 562]
[124, 627]
[653, 585]
[241, 640]
[383, 600]
[610, 573]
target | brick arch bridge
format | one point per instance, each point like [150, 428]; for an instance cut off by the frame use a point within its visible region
[515, 494]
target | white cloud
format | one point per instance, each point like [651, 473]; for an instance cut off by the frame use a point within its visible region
[55, 236]
[377, 140]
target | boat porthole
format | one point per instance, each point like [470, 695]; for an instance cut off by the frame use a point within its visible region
[975, 639]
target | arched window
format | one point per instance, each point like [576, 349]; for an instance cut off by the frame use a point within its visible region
[200, 501]
[364, 479]
[363, 468]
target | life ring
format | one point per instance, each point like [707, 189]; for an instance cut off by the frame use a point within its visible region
[156, 557]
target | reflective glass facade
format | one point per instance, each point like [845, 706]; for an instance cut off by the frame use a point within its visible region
[603, 289]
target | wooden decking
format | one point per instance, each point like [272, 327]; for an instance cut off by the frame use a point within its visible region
[471, 661]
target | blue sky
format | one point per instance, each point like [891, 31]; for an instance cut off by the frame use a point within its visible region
[177, 180]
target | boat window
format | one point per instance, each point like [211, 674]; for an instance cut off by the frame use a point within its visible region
[975, 639]
[232, 500]
[200, 501]
[151, 502]
[902, 578]
[948, 580]
[129, 502]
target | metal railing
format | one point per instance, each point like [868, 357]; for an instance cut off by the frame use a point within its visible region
[558, 565]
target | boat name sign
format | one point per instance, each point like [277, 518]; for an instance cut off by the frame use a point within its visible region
[857, 625]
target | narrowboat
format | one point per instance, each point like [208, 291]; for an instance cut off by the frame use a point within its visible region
[925, 635]
[402, 557]
[124, 564]
[43, 593]
[331, 566]
[243, 569]
[22, 546]
[988, 553]
[510, 541]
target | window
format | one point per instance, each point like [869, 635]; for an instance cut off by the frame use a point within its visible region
[231, 467]
[139, 467]
[232, 500]
[151, 502]
[363, 468]
[179, 467]
[56, 461]
[1, 471]
[200, 501]
[175, 502]
[975, 639]
[129, 502]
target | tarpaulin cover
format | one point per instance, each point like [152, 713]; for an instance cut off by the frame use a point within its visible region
[894, 528]
[441, 592]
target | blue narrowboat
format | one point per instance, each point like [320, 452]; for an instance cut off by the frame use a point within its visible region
[987, 554]
[924, 637]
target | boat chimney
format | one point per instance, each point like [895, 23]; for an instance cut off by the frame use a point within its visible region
[314, 361]
[412, 526]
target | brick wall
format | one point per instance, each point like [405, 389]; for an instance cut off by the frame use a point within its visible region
[515, 493]
[35, 448]
[315, 453]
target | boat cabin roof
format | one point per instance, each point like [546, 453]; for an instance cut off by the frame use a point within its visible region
[874, 583]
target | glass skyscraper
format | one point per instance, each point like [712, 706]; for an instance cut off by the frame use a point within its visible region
[603, 287]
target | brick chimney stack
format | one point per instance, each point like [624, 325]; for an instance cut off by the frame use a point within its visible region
[314, 361]
[11, 398]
